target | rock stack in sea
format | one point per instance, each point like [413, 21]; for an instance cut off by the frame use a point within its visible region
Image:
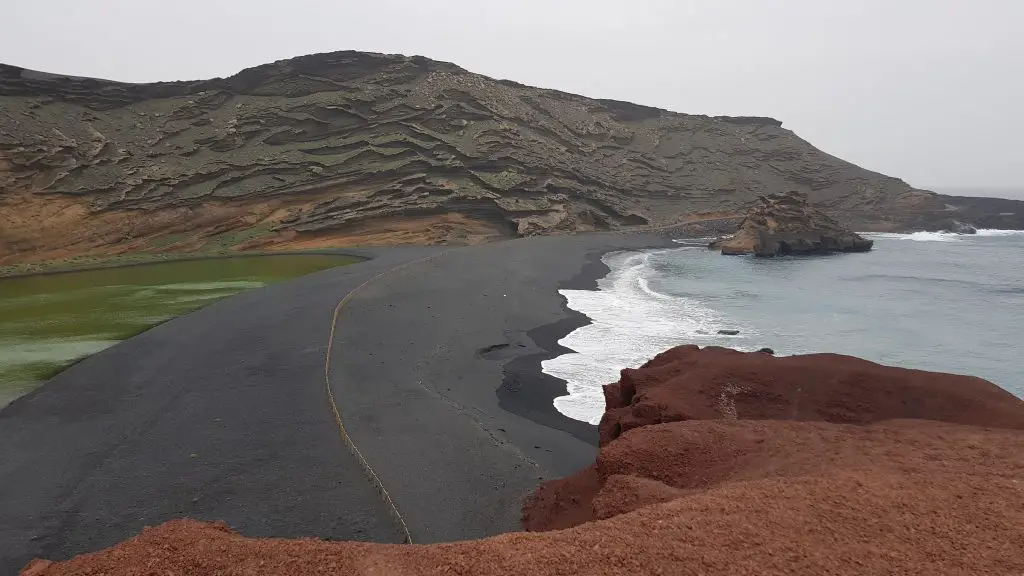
[785, 223]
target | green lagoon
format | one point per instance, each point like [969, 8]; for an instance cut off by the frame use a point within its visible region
[50, 321]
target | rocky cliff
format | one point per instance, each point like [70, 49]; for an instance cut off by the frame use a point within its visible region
[791, 416]
[715, 462]
[352, 147]
[785, 223]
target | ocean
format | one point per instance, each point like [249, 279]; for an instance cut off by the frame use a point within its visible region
[926, 300]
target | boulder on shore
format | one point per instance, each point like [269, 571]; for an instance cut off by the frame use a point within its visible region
[783, 224]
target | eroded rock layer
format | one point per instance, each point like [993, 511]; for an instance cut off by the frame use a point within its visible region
[351, 147]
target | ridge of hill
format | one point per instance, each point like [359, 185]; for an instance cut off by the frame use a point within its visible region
[360, 148]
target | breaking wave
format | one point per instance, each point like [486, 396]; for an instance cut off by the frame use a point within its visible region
[920, 236]
[995, 232]
[630, 323]
[943, 236]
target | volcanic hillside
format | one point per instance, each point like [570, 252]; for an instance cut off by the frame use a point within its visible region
[358, 148]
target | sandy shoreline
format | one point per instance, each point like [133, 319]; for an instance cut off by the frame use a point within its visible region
[419, 368]
[525, 373]
[526, 389]
[460, 412]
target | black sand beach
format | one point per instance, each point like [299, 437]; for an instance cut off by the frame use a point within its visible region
[528, 391]
[433, 341]
[222, 414]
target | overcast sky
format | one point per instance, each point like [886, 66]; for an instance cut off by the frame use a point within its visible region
[926, 90]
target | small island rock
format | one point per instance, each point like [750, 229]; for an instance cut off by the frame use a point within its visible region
[783, 224]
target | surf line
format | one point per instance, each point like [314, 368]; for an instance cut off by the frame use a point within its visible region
[345, 437]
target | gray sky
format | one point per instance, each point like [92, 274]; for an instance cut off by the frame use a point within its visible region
[927, 90]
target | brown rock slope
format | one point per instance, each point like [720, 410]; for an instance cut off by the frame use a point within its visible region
[351, 147]
[825, 481]
[785, 223]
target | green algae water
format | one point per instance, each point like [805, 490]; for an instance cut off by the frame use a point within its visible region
[48, 322]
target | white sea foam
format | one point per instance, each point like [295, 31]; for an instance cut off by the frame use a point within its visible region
[630, 323]
[919, 236]
[942, 236]
[995, 232]
[699, 240]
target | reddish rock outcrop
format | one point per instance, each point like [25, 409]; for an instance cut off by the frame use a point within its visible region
[689, 383]
[643, 460]
[723, 463]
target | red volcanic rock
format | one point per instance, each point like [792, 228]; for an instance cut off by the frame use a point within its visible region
[562, 503]
[721, 463]
[660, 463]
[758, 497]
[688, 383]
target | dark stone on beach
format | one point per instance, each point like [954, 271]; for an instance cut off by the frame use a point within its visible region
[767, 351]
[729, 332]
[966, 229]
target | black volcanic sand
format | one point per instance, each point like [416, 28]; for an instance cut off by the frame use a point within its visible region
[420, 356]
[529, 392]
[222, 414]
[219, 414]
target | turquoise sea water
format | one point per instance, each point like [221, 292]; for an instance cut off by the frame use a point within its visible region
[926, 300]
